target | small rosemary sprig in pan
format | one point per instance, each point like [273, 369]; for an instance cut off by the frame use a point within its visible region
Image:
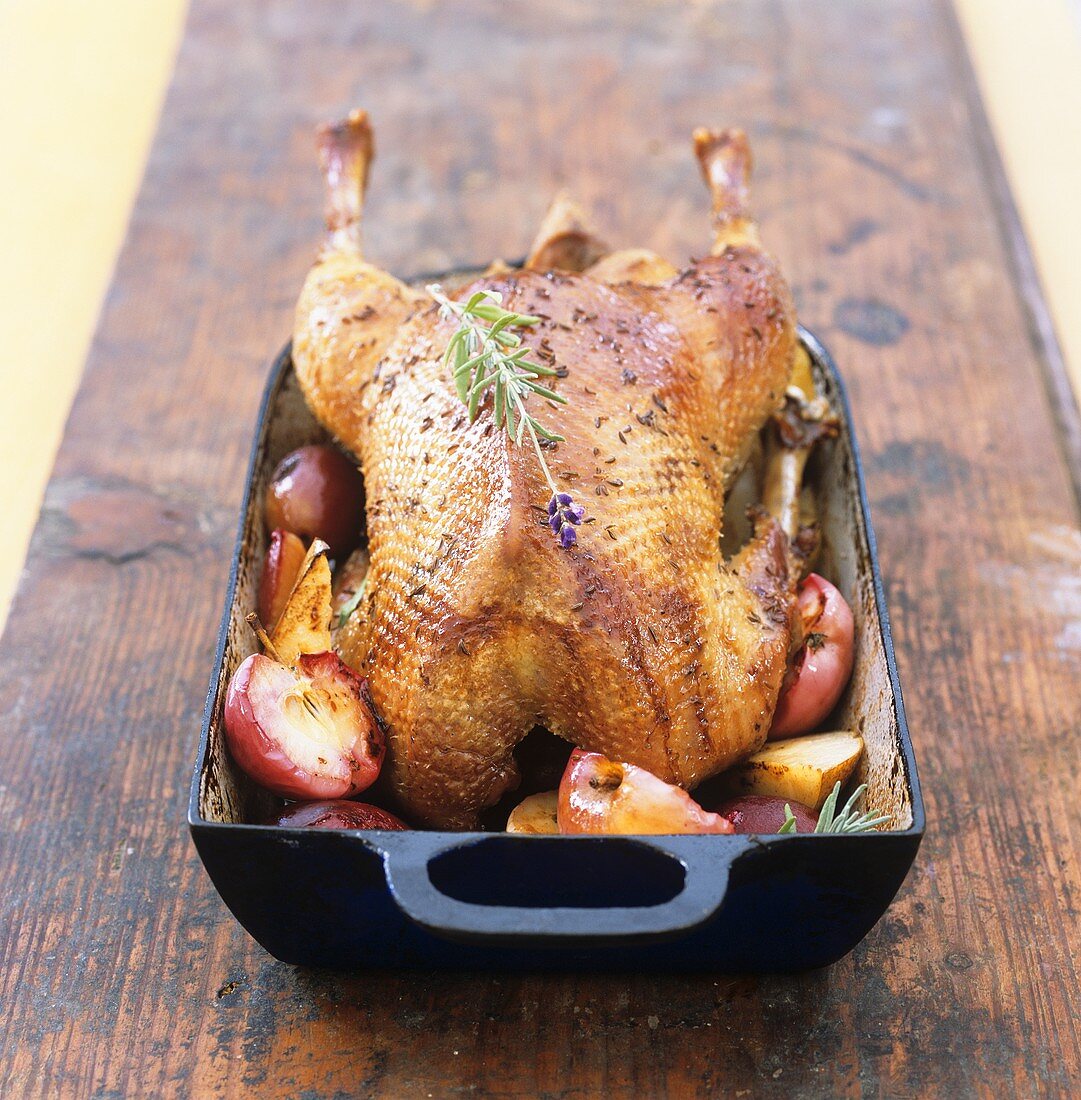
[829, 821]
[352, 603]
[484, 355]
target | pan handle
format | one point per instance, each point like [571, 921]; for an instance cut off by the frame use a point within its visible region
[705, 860]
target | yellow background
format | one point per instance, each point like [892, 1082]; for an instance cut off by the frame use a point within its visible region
[82, 85]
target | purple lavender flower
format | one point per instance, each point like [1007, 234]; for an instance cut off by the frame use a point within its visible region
[563, 516]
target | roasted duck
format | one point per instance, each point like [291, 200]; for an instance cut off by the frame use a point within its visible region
[633, 637]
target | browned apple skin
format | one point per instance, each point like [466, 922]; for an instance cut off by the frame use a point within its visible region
[819, 671]
[763, 814]
[316, 492]
[338, 813]
[281, 565]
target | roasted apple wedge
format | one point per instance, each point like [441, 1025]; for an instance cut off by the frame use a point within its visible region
[282, 564]
[304, 624]
[598, 795]
[802, 769]
[350, 579]
[536, 814]
[305, 730]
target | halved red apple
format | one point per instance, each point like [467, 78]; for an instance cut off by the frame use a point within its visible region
[598, 795]
[306, 731]
[337, 813]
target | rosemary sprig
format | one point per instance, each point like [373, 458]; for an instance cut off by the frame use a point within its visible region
[352, 603]
[484, 355]
[847, 821]
[830, 821]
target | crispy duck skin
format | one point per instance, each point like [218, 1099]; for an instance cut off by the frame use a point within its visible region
[640, 642]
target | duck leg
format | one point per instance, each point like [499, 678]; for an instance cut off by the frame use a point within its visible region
[725, 159]
[349, 311]
[793, 433]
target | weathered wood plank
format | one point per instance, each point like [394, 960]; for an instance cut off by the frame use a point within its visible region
[120, 971]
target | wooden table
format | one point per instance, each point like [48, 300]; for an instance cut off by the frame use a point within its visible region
[120, 971]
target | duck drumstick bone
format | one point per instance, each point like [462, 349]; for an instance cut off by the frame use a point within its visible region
[791, 436]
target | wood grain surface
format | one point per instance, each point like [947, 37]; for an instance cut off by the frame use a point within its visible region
[121, 974]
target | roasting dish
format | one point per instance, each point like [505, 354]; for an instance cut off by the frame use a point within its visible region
[351, 899]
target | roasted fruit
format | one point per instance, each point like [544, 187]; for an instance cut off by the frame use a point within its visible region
[304, 624]
[306, 731]
[337, 813]
[349, 580]
[598, 795]
[764, 814]
[281, 567]
[822, 665]
[536, 814]
[316, 492]
[801, 769]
